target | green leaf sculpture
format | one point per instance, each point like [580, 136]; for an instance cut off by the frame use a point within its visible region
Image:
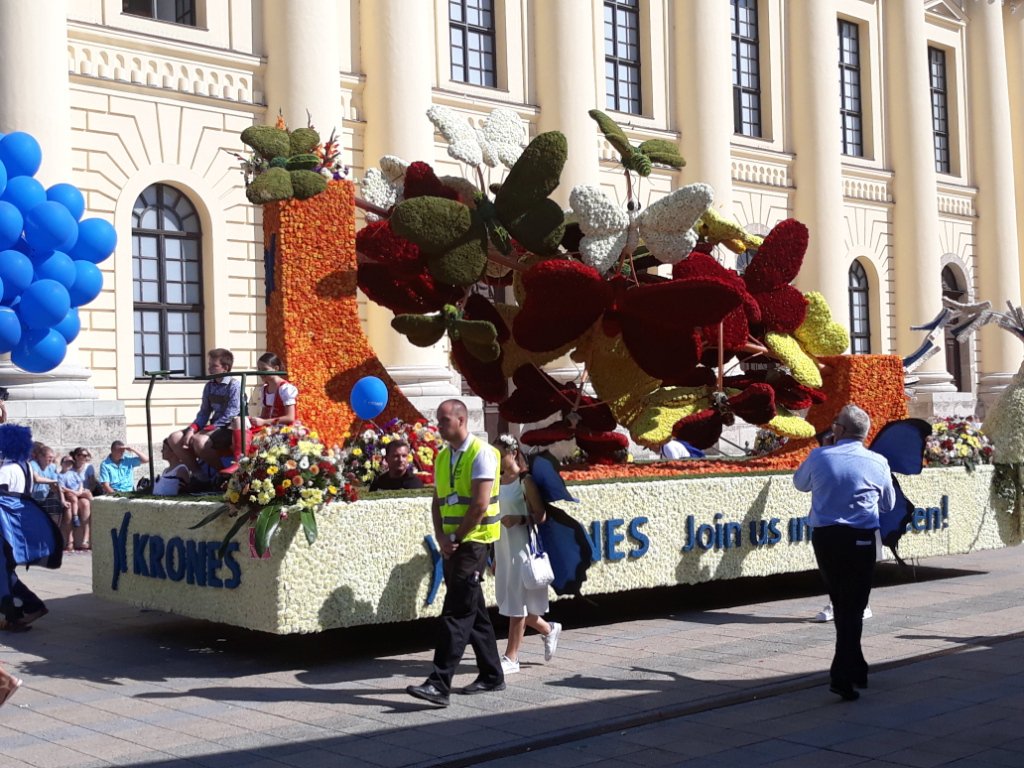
[479, 336]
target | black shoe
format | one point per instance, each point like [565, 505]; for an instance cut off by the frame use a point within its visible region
[482, 686]
[845, 691]
[428, 692]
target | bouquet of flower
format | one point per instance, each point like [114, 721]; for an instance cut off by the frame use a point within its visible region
[766, 441]
[287, 471]
[957, 441]
[363, 456]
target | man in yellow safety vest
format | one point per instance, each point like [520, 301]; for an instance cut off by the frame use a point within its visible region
[465, 514]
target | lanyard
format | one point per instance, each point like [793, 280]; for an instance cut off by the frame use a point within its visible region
[453, 467]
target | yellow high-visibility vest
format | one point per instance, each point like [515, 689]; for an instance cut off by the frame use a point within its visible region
[453, 484]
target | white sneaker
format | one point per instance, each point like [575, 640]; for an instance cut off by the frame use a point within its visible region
[508, 666]
[825, 614]
[551, 640]
[867, 613]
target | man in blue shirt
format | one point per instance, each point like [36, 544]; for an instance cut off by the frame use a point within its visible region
[117, 471]
[850, 487]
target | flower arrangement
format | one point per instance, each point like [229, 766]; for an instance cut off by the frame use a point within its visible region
[766, 441]
[362, 458]
[287, 471]
[956, 441]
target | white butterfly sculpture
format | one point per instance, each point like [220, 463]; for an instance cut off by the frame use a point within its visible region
[666, 227]
[383, 186]
[499, 141]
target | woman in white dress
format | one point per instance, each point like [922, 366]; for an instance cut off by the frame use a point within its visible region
[520, 503]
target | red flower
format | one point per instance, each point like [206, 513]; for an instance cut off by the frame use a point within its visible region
[485, 379]
[755, 405]
[420, 180]
[770, 272]
[403, 292]
[538, 396]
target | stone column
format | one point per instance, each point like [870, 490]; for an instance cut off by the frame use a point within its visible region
[303, 65]
[701, 94]
[398, 61]
[35, 98]
[991, 141]
[916, 215]
[817, 166]
[566, 88]
[1015, 72]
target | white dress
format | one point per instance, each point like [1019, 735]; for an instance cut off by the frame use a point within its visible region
[510, 552]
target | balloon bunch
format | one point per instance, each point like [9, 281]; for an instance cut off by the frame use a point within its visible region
[48, 258]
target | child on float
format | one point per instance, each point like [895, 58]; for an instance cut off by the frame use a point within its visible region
[520, 505]
[278, 400]
[73, 484]
[217, 412]
[175, 478]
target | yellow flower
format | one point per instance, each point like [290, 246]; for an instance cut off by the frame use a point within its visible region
[233, 497]
[272, 471]
[332, 489]
[357, 451]
[286, 484]
[285, 430]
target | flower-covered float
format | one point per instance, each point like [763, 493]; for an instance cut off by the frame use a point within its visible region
[669, 342]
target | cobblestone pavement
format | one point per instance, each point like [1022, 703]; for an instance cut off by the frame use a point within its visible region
[727, 674]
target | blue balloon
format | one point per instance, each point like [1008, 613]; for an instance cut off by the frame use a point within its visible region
[17, 274]
[69, 196]
[3, 177]
[24, 192]
[40, 350]
[43, 304]
[369, 397]
[96, 240]
[69, 326]
[50, 226]
[57, 266]
[20, 153]
[10, 330]
[88, 283]
[11, 224]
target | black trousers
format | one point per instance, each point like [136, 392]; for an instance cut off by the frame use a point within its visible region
[16, 599]
[464, 619]
[846, 559]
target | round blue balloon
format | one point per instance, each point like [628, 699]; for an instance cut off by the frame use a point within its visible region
[50, 226]
[43, 304]
[369, 397]
[20, 153]
[96, 240]
[57, 266]
[3, 177]
[11, 224]
[24, 192]
[69, 326]
[17, 274]
[10, 330]
[88, 283]
[40, 350]
[69, 196]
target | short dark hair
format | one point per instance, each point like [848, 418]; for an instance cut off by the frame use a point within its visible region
[394, 445]
[116, 444]
[222, 356]
[269, 358]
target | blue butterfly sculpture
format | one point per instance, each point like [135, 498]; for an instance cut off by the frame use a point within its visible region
[902, 443]
[564, 539]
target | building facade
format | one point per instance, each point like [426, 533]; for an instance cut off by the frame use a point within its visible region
[894, 129]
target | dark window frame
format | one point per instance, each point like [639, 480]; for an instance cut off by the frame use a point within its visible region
[859, 288]
[469, 36]
[185, 11]
[952, 289]
[939, 84]
[746, 69]
[164, 198]
[851, 109]
[623, 73]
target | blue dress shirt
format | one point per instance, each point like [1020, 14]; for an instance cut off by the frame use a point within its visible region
[849, 485]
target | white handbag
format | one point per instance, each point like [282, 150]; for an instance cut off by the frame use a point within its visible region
[537, 573]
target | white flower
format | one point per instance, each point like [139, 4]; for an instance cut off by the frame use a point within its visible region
[666, 227]
[304, 462]
[383, 186]
[462, 142]
[605, 227]
[499, 141]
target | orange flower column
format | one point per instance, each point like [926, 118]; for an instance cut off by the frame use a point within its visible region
[874, 382]
[312, 313]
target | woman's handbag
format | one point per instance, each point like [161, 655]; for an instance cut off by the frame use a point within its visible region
[537, 573]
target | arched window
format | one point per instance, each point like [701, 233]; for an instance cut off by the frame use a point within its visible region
[167, 282]
[954, 365]
[860, 324]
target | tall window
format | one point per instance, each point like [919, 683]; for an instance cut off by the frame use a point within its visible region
[860, 325]
[954, 365]
[471, 33]
[746, 69]
[940, 107]
[167, 282]
[176, 11]
[622, 56]
[851, 110]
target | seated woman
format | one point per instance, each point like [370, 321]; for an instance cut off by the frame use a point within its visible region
[73, 485]
[278, 399]
[174, 480]
[47, 493]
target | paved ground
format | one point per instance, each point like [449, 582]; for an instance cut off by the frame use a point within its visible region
[729, 674]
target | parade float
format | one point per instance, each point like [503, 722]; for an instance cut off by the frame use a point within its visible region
[669, 343]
